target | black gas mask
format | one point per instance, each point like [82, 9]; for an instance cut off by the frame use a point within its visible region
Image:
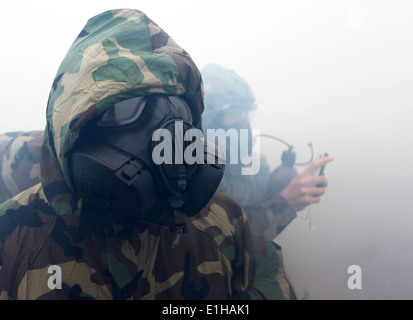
[131, 163]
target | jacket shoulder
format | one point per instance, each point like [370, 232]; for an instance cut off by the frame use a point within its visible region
[223, 212]
[26, 221]
[225, 221]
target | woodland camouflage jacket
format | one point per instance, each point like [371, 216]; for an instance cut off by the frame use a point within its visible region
[268, 213]
[19, 162]
[118, 55]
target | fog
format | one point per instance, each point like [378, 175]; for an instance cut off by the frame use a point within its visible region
[344, 83]
[338, 74]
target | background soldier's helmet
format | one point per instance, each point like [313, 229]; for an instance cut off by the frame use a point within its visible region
[225, 93]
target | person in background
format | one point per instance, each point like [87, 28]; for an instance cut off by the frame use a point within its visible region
[19, 162]
[229, 104]
[107, 221]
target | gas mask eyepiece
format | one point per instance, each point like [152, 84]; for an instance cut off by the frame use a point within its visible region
[122, 113]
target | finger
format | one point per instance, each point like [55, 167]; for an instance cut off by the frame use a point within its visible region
[317, 192]
[311, 200]
[313, 191]
[322, 161]
[311, 181]
[320, 181]
[305, 202]
[313, 166]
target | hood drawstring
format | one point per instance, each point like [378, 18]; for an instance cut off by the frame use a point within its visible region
[179, 229]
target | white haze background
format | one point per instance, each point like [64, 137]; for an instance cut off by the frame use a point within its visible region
[335, 73]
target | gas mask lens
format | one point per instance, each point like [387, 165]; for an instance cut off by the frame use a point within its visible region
[123, 113]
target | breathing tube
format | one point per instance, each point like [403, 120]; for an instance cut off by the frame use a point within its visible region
[284, 173]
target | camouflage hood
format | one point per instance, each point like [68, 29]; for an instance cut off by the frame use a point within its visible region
[118, 55]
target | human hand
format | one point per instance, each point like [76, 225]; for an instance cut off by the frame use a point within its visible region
[306, 188]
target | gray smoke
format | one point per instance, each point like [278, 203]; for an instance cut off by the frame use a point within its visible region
[344, 82]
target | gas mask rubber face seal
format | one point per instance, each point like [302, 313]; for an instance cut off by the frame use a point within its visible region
[131, 163]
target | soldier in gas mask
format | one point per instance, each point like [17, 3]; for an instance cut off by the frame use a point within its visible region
[115, 218]
[230, 104]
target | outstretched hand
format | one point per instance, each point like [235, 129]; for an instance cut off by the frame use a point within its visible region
[306, 188]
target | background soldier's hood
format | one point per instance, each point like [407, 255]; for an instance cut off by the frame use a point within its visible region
[119, 54]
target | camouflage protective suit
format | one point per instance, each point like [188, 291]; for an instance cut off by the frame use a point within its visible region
[118, 55]
[269, 215]
[19, 162]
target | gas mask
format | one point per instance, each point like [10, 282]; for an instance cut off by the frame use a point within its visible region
[113, 168]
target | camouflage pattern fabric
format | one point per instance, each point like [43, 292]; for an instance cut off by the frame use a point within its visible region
[118, 55]
[269, 216]
[19, 162]
[211, 261]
